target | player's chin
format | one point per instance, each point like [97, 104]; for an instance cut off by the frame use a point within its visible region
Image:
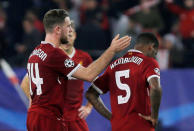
[64, 41]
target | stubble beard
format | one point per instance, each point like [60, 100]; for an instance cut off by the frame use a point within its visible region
[63, 40]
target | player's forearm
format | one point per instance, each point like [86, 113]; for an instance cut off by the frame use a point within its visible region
[89, 105]
[98, 104]
[94, 69]
[25, 86]
[155, 97]
[100, 107]
[26, 91]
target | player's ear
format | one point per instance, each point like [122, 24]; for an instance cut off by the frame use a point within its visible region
[150, 46]
[57, 29]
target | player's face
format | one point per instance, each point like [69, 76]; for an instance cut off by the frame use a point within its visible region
[66, 30]
[71, 39]
[152, 51]
[189, 3]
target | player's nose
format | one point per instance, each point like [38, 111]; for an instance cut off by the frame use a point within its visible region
[70, 30]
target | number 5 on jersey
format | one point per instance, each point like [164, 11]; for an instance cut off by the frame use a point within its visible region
[121, 86]
[36, 80]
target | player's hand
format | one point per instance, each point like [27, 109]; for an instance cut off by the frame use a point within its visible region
[119, 44]
[150, 119]
[84, 111]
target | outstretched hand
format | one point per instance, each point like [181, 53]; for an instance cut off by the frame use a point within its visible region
[150, 119]
[119, 44]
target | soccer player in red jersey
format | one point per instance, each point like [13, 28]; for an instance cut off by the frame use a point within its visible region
[74, 114]
[48, 63]
[134, 84]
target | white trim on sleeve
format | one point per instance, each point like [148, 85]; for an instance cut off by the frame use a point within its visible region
[74, 70]
[95, 78]
[152, 77]
[97, 89]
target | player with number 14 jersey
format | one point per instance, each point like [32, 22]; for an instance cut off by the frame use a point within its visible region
[44, 66]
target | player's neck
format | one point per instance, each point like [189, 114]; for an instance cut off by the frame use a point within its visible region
[50, 38]
[140, 49]
[69, 51]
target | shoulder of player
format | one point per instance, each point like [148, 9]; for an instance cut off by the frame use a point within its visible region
[150, 61]
[57, 52]
[82, 53]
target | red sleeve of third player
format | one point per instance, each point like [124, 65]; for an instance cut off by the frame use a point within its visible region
[101, 83]
[88, 60]
[61, 63]
[152, 69]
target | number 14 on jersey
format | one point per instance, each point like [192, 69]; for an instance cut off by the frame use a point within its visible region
[33, 70]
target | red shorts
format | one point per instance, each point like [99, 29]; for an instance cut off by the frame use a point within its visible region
[77, 125]
[38, 122]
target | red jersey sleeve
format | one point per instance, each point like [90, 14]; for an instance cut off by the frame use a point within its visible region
[101, 83]
[87, 59]
[61, 63]
[152, 69]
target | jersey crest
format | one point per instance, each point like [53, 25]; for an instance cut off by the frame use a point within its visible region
[68, 63]
[157, 71]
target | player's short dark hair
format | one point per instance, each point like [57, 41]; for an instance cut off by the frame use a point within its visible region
[54, 17]
[147, 38]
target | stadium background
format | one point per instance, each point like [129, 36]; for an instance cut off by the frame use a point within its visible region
[97, 21]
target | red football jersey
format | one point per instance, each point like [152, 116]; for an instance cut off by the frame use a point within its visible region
[74, 90]
[45, 65]
[127, 80]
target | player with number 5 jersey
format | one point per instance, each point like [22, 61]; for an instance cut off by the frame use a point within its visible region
[133, 83]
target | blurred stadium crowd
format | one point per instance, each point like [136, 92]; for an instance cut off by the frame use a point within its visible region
[97, 21]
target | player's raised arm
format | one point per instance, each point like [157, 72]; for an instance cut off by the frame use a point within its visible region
[155, 98]
[90, 73]
[93, 97]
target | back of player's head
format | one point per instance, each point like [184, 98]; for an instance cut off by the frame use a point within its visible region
[146, 39]
[54, 17]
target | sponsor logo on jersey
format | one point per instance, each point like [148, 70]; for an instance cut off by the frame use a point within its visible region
[157, 71]
[68, 63]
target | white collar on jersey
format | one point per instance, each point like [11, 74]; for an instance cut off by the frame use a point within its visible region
[134, 50]
[72, 54]
[44, 42]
